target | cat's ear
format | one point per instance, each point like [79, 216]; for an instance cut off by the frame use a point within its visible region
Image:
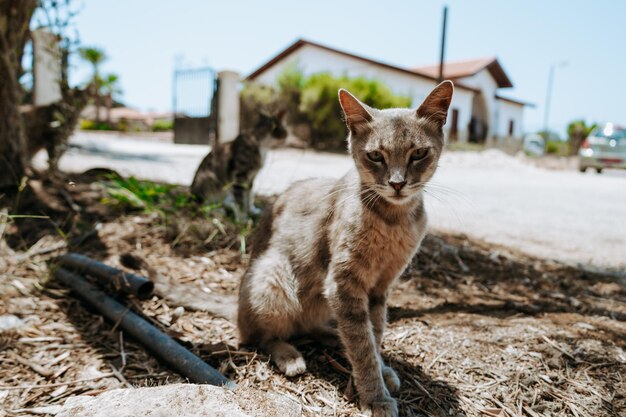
[356, 113]
[435, 107]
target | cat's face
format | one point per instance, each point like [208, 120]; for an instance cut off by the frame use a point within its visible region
[396, 150]
[272, 125]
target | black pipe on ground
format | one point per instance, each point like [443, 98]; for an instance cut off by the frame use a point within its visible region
[163, 346]
[118, 280]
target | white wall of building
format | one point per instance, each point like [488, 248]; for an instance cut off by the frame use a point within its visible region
[488, 86]
[310, 59]
[461, 101]
[508, 111]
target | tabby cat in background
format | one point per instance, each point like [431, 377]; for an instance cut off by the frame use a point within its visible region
[327, 250]
[226, 175]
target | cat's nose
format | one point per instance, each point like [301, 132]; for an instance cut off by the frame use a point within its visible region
[397, 185]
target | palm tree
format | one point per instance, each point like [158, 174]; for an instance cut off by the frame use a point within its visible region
[577, 132]
[110, 89]
[95, 56]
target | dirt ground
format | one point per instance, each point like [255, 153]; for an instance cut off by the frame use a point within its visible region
[474, 330]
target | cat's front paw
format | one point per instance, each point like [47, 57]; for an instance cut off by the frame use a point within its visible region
[391, 379]
[292, 366]
[387, 407]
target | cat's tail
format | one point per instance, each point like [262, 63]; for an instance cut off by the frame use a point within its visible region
[189, 297]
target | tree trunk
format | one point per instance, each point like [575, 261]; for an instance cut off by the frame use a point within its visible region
[15, 17]
[109, 103]
[577, 136]
[98, 103]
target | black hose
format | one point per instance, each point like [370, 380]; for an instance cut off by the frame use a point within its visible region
[127, 282]
[163, 346]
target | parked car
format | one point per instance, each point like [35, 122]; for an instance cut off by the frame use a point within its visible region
[534, 145]
[605, 147]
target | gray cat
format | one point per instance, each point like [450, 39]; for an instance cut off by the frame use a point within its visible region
[328, 250]
[226, 175]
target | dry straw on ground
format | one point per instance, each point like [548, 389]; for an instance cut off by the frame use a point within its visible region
[474, 331]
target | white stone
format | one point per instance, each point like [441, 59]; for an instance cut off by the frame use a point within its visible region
[10, 321]
[181, 400]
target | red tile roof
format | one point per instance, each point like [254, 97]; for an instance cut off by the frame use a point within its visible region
[459, 69]
[454, 70]
[301, 42]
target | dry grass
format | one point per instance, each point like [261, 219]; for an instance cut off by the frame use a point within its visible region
[474, 331]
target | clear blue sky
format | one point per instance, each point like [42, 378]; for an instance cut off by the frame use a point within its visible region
[145, 38]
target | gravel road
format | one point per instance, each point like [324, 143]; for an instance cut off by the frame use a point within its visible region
[563, 215]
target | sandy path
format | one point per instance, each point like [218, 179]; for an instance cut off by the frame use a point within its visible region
[564, 215]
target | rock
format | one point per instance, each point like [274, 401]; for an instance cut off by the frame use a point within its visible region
[607, 288]
[584, 326]
[574, 302]
[10, 321]
[184, 400]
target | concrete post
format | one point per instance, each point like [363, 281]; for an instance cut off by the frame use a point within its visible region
[46, 67]
[228, 106]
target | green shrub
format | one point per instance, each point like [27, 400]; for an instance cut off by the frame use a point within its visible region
[91, 125]
[163, 125]
[312, 100]
[320, 105]
[254, 98]
[557, 147]
[144, 195]
[465, 146]
[184, 221]
[577, 132]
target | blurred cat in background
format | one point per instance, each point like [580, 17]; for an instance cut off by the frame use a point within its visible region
[226, 175]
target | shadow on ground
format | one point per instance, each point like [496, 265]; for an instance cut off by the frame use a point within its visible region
[452, 275]
[472, 326]
[57, 207]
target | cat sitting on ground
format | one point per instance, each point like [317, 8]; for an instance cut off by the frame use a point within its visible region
[226, 175]
[328, 250]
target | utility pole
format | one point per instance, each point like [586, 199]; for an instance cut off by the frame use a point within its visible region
[546, 114]
[443, 43]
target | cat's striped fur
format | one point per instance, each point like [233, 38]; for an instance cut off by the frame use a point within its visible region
[328, 250]
[226, 175]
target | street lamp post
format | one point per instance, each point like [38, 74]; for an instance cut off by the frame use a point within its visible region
[549, 93]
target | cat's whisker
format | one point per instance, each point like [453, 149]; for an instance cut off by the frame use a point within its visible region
[345, 200]
[446, 203]
[455, 195]
[446, 190]
[375, 200]
[444, 187]
[335, 192]
[370, 199]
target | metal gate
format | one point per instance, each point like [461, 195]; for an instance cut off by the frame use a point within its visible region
[195, 106]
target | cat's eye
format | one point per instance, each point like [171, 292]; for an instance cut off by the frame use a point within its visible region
[375, 156]
[419, 154]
